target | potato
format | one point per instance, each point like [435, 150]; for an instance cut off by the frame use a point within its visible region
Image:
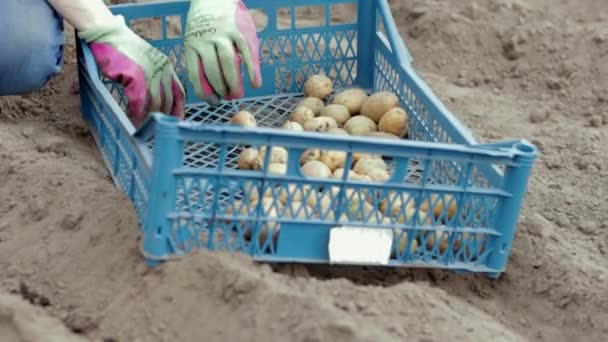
[363, 178]
[333, 159]
[315, 104]
[310, 154]
[368, 163]
[440, 202]
[372, 196]
[319, 86]
[377, 218]
[277, 168]
[459, 241]
[397, 201]
[378, 175]
[444, 240]
[270, 210]
[270, 228]
[402, 207]
[359, 210]
[395, 121]
[251, 190]
[239, 209]
[353, 99]
[365, 212]
[320, 124]
[379, 103]
[315, 168]
[422, 219]
[244, 118]
[301, 115]
[401, 213]
[337, 131]
[297, 209]
[270, 206]
[352, 194]
[248, 159]
[360, 125]
[295, 192]
[254, 193]
[358, 155]
[331, 216]
[339, 173]
[335, 192]
[323, 199]
[337, 112]
[382, 135]
[279, 155]
[292, 126]
[475, 243]
[328, 211]
[402, 241]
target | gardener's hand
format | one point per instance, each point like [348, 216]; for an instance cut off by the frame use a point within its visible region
[218, 34]
[147, 74]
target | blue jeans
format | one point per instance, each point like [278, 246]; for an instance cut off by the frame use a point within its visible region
[31, 45]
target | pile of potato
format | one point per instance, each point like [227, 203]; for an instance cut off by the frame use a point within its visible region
[349, 112]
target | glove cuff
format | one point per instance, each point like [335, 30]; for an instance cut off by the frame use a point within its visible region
[97, 33]
[210, 5]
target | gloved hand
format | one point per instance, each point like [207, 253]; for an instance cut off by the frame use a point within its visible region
[147, 74]
[213, 29]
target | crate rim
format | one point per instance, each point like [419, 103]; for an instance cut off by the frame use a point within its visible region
[187, 130]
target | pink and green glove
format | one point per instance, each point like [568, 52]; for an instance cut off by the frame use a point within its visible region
[151, 84]
[219, 35]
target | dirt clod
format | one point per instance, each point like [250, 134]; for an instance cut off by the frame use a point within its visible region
[80, 324]
[32, 296]
[538, 117]
[71, 221]
[589, 227]
[562, 220]
[596, 121]
[540, 226]
[511, 49]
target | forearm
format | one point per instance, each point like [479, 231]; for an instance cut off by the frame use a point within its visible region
[83, 14]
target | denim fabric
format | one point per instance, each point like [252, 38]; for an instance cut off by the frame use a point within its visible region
[31, 45]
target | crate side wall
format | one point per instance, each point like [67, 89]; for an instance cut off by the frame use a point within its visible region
[127, 167]
[220, 206]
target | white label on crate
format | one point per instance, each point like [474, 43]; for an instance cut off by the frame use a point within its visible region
[360, 245]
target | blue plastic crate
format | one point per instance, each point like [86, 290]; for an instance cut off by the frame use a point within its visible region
[189, 193]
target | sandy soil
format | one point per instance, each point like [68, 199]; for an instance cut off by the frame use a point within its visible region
[534, 69]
